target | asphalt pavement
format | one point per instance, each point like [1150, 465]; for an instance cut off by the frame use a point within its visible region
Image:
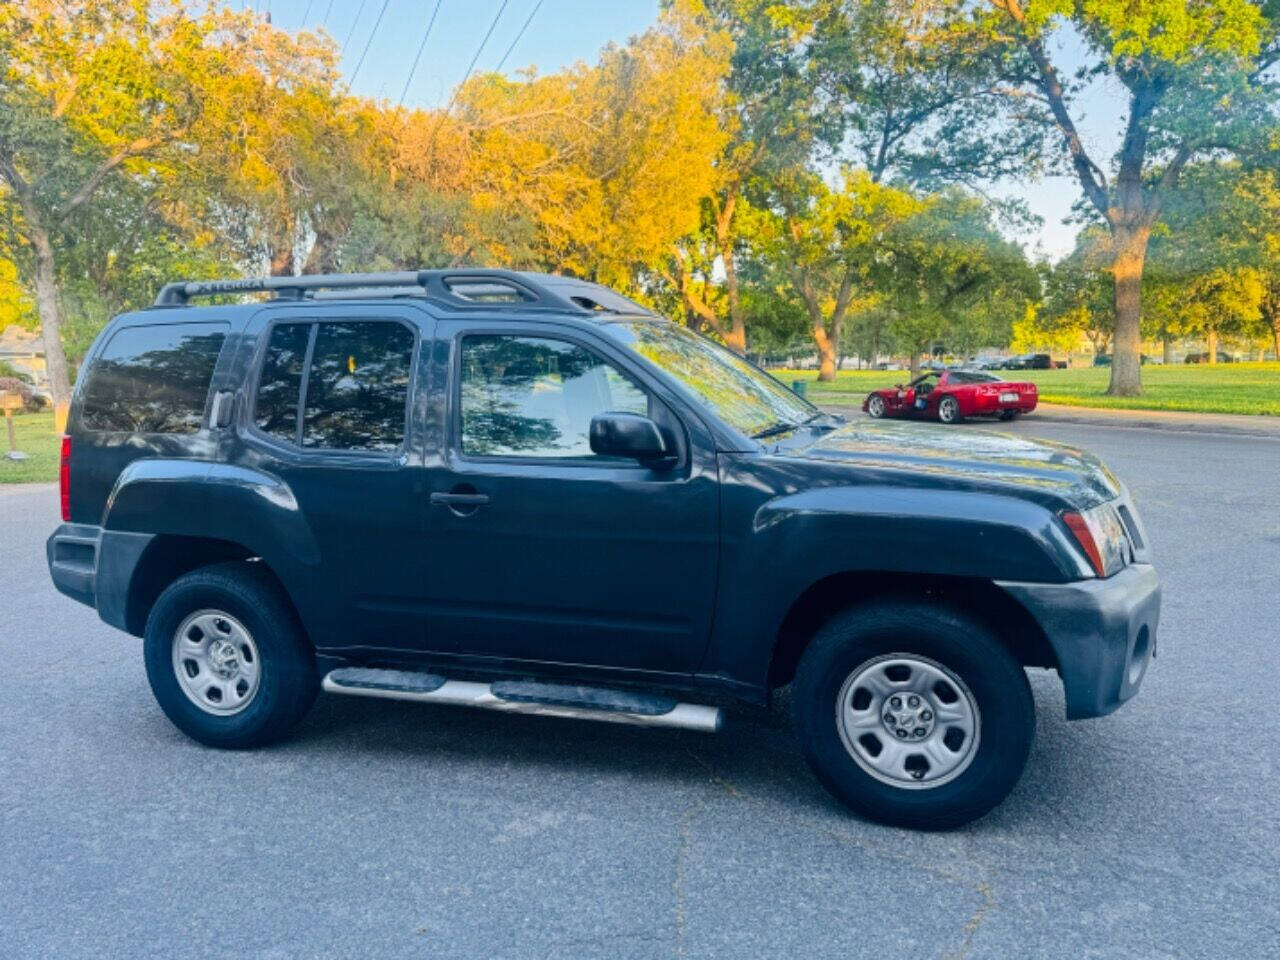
[394, 830]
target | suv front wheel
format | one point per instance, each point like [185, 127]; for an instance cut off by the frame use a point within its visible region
[913, 715]
[227, 659]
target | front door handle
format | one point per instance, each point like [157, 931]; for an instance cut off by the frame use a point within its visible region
[460, 499]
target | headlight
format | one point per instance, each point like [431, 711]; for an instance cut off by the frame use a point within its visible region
[1101, 536]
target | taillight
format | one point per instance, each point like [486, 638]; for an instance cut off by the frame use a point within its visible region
[64, 478]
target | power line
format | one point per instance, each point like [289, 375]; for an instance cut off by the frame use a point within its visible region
[306, 14]
[529, 20]
[467, 76]
[354, 23]
[327, 10]
[422, 46]
[365, 52]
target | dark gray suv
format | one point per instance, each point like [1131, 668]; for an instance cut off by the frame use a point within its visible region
[528, 493]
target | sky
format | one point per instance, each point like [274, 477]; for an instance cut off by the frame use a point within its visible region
[377, 63]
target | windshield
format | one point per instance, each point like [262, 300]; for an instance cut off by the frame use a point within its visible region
[740, 394]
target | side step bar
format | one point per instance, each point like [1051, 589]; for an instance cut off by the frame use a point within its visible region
[525, 696]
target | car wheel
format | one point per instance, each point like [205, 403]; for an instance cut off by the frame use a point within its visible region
[227, 659]
[1007, 415]
[875, 406]
[913, 715]
[949, 410]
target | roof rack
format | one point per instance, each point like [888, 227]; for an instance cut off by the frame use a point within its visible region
[487, 288]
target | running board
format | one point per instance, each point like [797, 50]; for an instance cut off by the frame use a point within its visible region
[526, 696]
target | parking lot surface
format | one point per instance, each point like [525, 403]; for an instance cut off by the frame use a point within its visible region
[395, 830]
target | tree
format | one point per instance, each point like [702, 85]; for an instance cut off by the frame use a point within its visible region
[1196, 76]
[88, 91]
[1078, 294]
[770, 109]
[608, 164]
[1223, 244]
[823, 242]
[950, 279]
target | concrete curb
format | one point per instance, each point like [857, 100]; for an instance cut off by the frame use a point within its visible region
[1172, 420]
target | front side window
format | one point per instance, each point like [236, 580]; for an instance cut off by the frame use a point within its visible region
[153, 379]
[536, 397]
[352, 395]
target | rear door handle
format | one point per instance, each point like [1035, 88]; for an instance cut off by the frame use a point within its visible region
[460, 499]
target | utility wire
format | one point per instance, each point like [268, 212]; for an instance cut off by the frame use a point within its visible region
[529, 20]
[354, 23]
[306, 14]
[327, 10]
[467, 76]
[365, 52]
[422, 46]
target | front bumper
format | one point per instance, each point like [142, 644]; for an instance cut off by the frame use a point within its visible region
[1102, 631]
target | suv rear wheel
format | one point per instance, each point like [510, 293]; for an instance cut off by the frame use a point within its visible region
[913, 715]
[227, 659]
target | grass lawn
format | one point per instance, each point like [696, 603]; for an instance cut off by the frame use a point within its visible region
[1223, 388]
[34, 432]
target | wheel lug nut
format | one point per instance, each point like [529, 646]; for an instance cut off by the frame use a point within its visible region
[919, 732]
[902, 734]
[926, 715]
[895, 702]
[913, 701]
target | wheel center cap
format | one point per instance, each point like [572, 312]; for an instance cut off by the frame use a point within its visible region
[908, 716]
[224, 658]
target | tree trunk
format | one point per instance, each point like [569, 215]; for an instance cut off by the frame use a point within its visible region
[55, 359]
[1213, 347]
[1168, 350]
[735, 338]
[826, 353]
[1126, 268]
[914, 365]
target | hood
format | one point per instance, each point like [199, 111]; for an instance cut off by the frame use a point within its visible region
[925, 454]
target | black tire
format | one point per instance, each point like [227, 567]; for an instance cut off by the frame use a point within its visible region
[949, 410]
[999, 686]
[287, 681]
[875, 406]
[1007, 415]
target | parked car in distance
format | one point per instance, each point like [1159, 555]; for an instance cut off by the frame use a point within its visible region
[1223, 357]
[953, 395]
[527, 493]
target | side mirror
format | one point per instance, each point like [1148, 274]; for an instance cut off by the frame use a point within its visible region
[627, 435]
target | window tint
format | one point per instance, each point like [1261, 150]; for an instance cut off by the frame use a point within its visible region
[153, 379]
[280, 385]
[534, 397]
[358, 386]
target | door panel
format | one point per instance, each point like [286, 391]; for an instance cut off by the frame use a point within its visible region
[573, 558]
[330, 418]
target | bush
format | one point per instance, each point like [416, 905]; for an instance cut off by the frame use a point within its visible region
[30, 401]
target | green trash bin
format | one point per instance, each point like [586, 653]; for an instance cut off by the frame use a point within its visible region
[800, 387]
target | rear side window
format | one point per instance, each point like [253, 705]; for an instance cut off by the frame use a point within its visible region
[349, 380]
[153, 379]
[276, 411]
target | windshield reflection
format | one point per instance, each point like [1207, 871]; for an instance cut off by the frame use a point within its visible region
[740, 394]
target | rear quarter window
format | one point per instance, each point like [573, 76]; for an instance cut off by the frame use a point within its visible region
[152, 379]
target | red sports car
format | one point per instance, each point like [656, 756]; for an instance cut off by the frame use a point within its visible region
[952, 395]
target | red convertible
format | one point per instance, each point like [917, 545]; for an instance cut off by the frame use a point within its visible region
[952, 395]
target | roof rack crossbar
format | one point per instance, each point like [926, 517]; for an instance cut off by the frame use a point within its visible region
[435, 283]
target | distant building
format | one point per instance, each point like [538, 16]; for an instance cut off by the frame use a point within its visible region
[24, 351]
